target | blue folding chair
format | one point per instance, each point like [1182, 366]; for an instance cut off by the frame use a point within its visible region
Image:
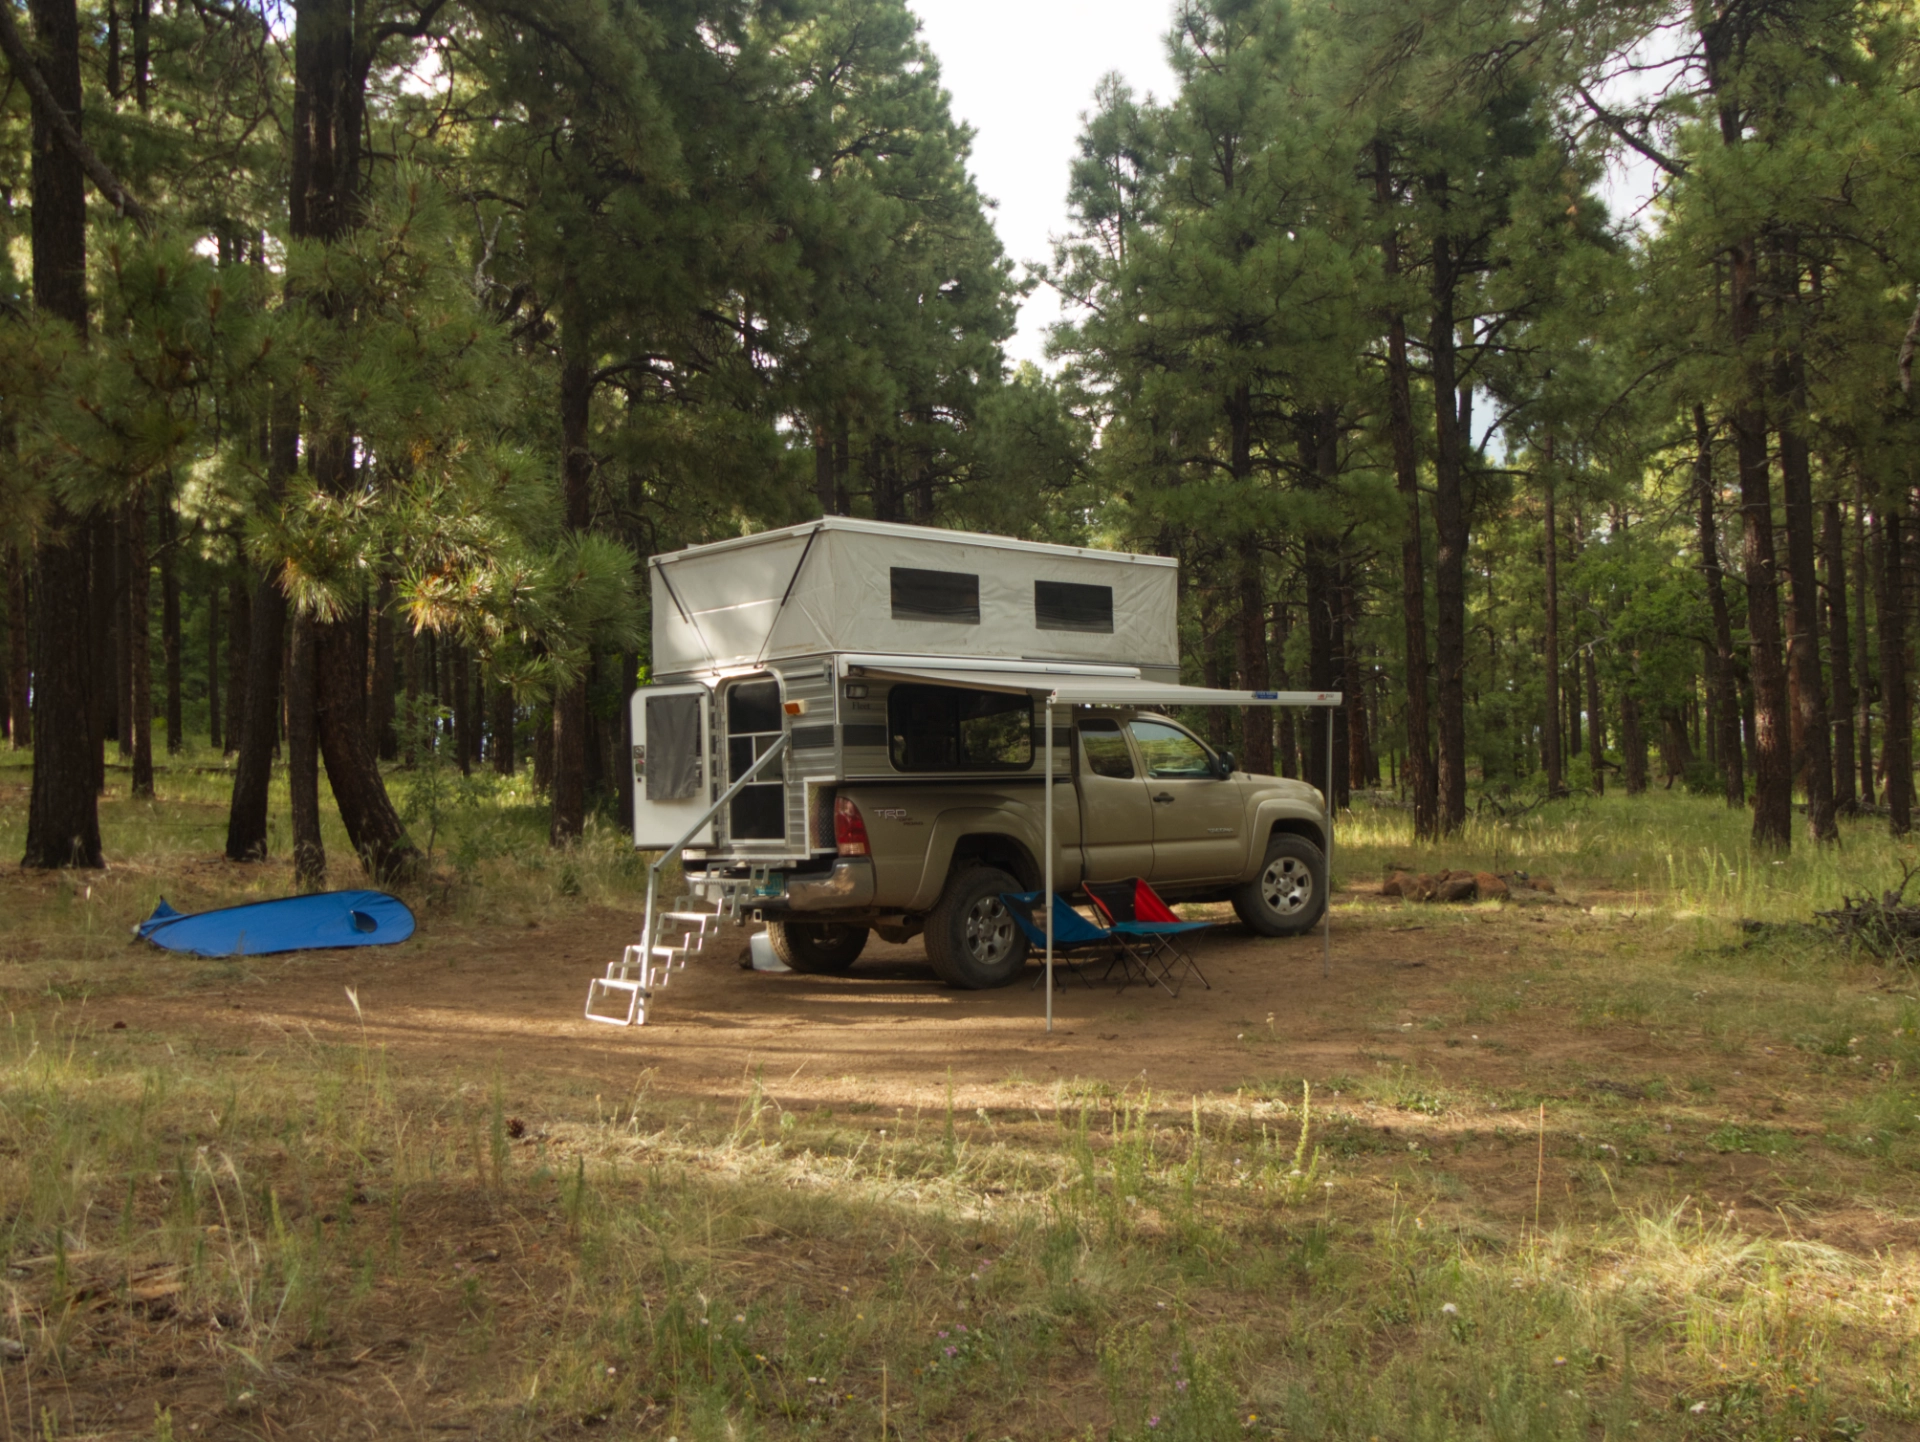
[1073, 935]
[1145, 928]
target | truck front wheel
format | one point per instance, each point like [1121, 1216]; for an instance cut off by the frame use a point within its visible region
[1289, 893]
[972, 940]
[823, 948]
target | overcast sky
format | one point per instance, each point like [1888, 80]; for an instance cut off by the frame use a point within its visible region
[1021, 73]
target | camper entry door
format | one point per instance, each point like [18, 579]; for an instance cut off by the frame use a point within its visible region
[672, 764]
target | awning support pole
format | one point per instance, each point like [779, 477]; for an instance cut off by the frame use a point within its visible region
[1326, 913]
[1046, 896]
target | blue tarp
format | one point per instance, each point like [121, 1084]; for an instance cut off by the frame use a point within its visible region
[294, 923]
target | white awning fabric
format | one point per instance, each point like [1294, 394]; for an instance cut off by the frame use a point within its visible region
[1084, 690]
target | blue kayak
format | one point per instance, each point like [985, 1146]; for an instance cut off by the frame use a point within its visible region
[293, 923]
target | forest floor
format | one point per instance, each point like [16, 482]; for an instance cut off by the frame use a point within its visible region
[1618, 1164]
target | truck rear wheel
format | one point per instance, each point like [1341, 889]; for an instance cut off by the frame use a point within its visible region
[1288, 895]
[821, 948]
[972, 940]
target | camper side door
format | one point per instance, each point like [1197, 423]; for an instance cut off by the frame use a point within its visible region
[672, 764]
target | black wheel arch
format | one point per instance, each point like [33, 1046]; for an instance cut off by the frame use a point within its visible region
[990, 848]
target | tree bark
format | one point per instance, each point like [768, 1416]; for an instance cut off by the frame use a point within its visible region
[101, 629]
[1896, 746]
[324, 203]
[303, 760]
[1550, 730]
[1450, 558]
[1353, 684]
[1726, 711]
[63, 820]
[19, 649]
[264, 621]
[570, 701]
[1596, 733]
[1419, 765]
[137, 624]
[1633, 740]
[1250, 646]
[1862, 670]
[503, 720]
[1840, 649]
[170, 622]
[1803, 636]
[464, 720]
[122, 603]
[1773, 774]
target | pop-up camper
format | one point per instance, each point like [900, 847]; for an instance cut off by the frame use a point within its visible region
[753, 638]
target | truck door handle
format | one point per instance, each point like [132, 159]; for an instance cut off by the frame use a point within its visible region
[1165, 798]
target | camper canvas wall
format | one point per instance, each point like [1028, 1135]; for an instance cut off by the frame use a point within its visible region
[840, 585]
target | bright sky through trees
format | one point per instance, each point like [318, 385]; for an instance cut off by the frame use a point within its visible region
[1026, 101]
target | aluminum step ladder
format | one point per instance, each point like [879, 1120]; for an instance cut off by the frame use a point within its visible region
[620, 997]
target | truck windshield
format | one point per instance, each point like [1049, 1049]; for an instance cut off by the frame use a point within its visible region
[944, 728]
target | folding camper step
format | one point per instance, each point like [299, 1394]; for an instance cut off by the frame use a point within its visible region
[606, 988]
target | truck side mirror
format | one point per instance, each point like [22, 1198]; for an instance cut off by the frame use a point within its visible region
[1224, 765]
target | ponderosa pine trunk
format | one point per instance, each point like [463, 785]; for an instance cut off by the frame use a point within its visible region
[1846, 797]
[1803, 635]
[170, 622]
[63, 819]
[239, 655]
[1421, 780]
[1773, 768]
[121, 600]
[1251, 656]
[380, 700]
[1862, 666]
[262, 618]
[137, 623]
[1896, 745]
[1633, 740]
[503, 718]
[1353, 684]
[303, 759]
[1550, 727]
[329, 105]
[570, 701]
[1726, 713]
[1596, 732]
[1450, 526]
[19, 652]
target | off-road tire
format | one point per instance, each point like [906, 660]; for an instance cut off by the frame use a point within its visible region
[820, 948]
[1288, 894]
[972, 939]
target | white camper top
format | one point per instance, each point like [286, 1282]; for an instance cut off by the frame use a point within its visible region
[845, 585]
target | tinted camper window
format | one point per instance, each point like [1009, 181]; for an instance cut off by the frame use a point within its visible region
[943, 728]
[1069, 606]
[935, 596]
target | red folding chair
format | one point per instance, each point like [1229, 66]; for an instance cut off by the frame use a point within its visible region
[1147, 929]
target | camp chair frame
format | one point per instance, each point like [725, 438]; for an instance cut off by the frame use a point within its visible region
[1146, 928]
[1072, 932]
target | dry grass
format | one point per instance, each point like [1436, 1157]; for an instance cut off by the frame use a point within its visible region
[307, 1238]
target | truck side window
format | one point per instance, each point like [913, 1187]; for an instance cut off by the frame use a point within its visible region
[945, 728]
[1106, 749]
[1170, 753]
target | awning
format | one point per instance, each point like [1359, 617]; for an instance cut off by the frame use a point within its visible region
[1075, 687]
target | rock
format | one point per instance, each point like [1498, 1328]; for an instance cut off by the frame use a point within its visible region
[1457, 888]
[1491, 887]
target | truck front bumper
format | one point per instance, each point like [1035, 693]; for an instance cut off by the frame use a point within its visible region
[847, 887]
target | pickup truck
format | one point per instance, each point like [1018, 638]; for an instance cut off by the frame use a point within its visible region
[1136, 794]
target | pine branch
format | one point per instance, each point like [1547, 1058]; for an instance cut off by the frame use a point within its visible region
[1619, 127]
[21, 59]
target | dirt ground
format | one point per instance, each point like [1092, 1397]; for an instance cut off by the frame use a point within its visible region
[464, 998]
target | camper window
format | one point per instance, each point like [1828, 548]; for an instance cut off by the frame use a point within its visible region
[952, 596]
[1069, 606]
[943, 728]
